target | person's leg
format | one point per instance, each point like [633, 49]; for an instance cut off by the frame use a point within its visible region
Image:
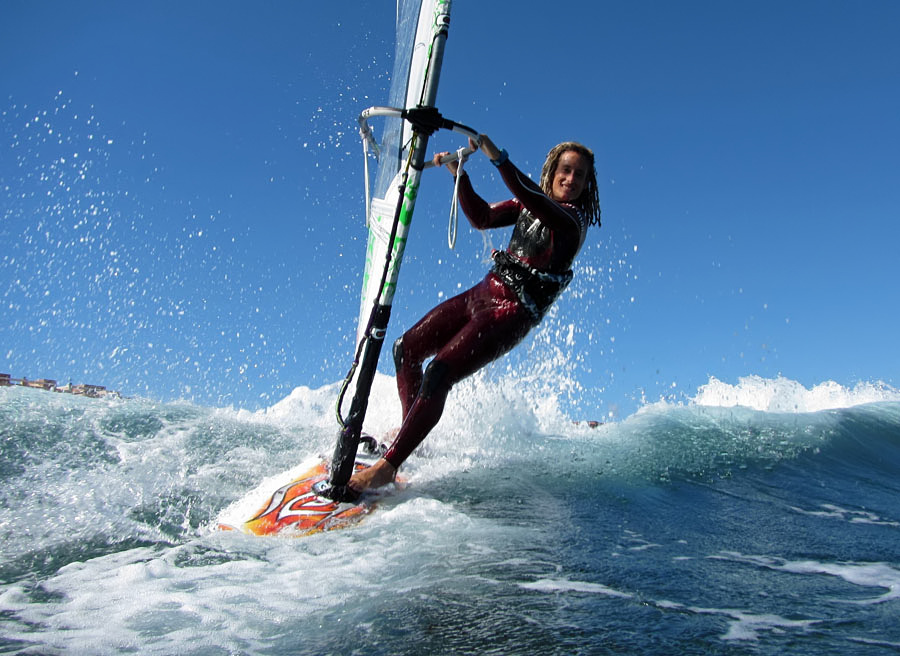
[425, 339]
[410, 351]
[483, 339]
[494, 324]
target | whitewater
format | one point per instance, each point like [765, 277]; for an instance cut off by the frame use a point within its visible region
[759, 517]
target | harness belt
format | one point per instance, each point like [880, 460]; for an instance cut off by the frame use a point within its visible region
[535, 289]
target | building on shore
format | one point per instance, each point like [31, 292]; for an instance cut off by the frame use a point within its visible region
[92, 391]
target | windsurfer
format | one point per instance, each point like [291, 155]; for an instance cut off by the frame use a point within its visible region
[470, 330]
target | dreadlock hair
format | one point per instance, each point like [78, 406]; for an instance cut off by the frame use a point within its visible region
[589, 200]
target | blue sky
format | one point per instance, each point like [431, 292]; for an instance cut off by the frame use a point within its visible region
[181, 188]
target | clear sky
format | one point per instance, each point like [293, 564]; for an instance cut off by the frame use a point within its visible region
[181, 198]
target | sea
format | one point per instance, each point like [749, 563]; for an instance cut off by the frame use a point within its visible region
[759, 517]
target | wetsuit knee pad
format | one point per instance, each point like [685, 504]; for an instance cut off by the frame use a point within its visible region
[435, 376]
[398, 353]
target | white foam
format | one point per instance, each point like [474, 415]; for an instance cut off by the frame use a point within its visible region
[234, 593]
[561, 585]
[316, 407]
[785, 395]
[832, 511]
[747, 626]
[742, 625]
[869, 575]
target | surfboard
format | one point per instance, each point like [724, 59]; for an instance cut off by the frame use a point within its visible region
[293, 508]
[318, 498]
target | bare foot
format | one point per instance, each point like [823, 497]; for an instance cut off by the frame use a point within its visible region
[381, 473]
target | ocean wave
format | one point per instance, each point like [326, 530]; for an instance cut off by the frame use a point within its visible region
[785, 395]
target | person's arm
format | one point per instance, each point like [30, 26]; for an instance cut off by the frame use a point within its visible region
[547, 210]
[481, 214]
[488, 147]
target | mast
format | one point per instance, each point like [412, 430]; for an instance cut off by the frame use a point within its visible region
[389, 219]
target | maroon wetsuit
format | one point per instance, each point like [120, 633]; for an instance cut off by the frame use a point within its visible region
[466, 332]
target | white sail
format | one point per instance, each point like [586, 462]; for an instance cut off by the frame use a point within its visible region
[414, 83]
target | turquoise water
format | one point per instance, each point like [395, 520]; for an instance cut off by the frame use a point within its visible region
[699, 528]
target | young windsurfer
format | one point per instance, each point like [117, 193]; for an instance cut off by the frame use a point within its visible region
[468, 331]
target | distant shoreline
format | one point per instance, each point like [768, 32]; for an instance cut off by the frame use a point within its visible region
[82, 389]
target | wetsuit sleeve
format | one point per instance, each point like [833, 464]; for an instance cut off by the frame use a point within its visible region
[547, 210]
[481, 214]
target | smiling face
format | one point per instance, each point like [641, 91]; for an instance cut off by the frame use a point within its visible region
[570, 177]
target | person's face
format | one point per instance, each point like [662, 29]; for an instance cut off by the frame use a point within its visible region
[570, 176]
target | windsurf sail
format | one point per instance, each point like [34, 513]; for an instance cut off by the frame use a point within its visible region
[422, 31]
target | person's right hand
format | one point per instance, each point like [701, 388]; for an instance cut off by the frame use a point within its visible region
[453, 166]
